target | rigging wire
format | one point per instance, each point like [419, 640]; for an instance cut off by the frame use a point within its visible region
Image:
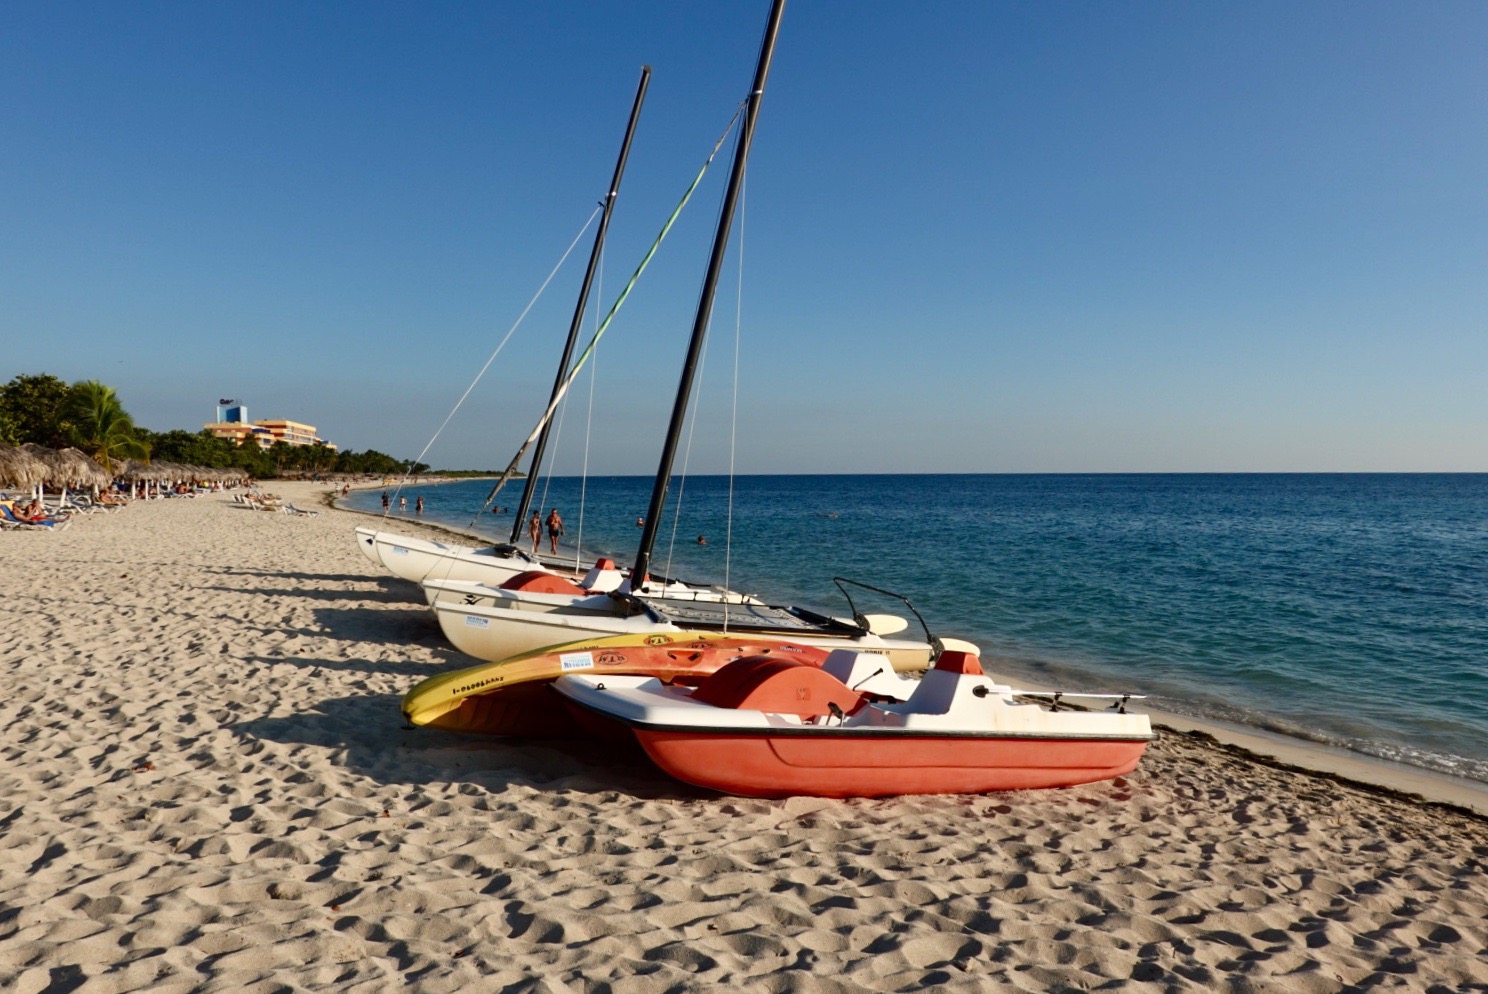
[588, 421]
[694, 403]
[501, 345]
[728, 539]
[614, 308]
[686, 458]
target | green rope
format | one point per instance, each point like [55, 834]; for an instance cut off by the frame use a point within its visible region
[562, 391]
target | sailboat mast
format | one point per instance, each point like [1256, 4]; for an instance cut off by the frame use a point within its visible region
[582, 306]
[705, 301]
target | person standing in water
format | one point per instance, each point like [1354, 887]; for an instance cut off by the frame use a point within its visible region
[418, 507]
[534, 528]
[555, 528]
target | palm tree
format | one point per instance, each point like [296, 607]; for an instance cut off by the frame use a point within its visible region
[100, 426]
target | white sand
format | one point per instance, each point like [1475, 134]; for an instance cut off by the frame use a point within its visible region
[205, 785]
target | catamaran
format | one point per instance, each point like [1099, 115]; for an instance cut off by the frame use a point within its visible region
[416, 559]
[537, 609]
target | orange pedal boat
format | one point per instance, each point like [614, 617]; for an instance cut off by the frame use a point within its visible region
[763, 726]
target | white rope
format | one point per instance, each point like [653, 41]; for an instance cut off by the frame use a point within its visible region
[573, 371]
[686, 457]
[694, 403]
[520, 318]
[728, 538]
[588, 421]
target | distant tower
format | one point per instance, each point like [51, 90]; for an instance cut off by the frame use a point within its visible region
[230, 411]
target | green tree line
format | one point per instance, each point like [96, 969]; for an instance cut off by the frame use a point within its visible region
[88, 415]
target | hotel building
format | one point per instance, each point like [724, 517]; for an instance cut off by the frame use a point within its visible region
[232, 423]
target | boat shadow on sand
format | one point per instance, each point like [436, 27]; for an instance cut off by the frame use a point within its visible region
[370, 738]
[397, 626]
[402, 667]
[317, 594]
[389, 583]
[411, 628]
[389, 591]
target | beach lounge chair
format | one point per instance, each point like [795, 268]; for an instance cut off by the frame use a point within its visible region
[8, 514]
[298, 510]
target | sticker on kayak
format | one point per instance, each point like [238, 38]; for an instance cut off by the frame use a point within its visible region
[658, 639]
[575, 661]
[475, 622]
[399, 550]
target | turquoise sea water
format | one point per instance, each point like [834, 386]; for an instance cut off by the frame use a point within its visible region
[1346, 609]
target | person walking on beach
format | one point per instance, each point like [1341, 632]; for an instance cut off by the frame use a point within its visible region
[534, 528]
[555, 528]
[418, 507]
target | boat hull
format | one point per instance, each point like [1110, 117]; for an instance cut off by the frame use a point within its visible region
[518, 625]
[823, 764]
[367, 542]
[415, 559]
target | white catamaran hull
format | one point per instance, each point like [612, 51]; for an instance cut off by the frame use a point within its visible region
[515, 625]
[471, 592]
[417, 559]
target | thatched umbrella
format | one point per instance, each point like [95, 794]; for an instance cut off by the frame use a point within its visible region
[137, 473]
[78, 470]
[160, 472]
[48, 458]
[130, 471]
[19, 468]
[65, 468]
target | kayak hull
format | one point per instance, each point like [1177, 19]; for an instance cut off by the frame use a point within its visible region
[511, 697]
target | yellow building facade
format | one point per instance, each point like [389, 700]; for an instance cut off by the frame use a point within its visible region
[266, 433]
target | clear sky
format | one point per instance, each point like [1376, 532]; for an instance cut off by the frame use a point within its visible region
[978, 236]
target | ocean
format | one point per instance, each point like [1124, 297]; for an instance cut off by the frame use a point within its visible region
[1344, 609]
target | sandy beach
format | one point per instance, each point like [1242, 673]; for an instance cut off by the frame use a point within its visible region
[206, 786]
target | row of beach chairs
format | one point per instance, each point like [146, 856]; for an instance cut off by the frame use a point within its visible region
[257, 501]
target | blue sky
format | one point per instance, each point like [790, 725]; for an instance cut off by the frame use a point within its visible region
[977, 237]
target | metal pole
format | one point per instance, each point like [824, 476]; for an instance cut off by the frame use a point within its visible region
[582, 306]
[705, 302]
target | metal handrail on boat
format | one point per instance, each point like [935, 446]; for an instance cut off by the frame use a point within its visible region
[936, 646]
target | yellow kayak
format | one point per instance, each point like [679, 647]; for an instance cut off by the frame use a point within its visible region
[511, 697]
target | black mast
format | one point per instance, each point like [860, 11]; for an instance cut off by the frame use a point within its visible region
[582, 306]
[705, 302]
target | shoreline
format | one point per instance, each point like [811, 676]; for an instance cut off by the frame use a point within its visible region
[205, 785]
[1286, 752]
